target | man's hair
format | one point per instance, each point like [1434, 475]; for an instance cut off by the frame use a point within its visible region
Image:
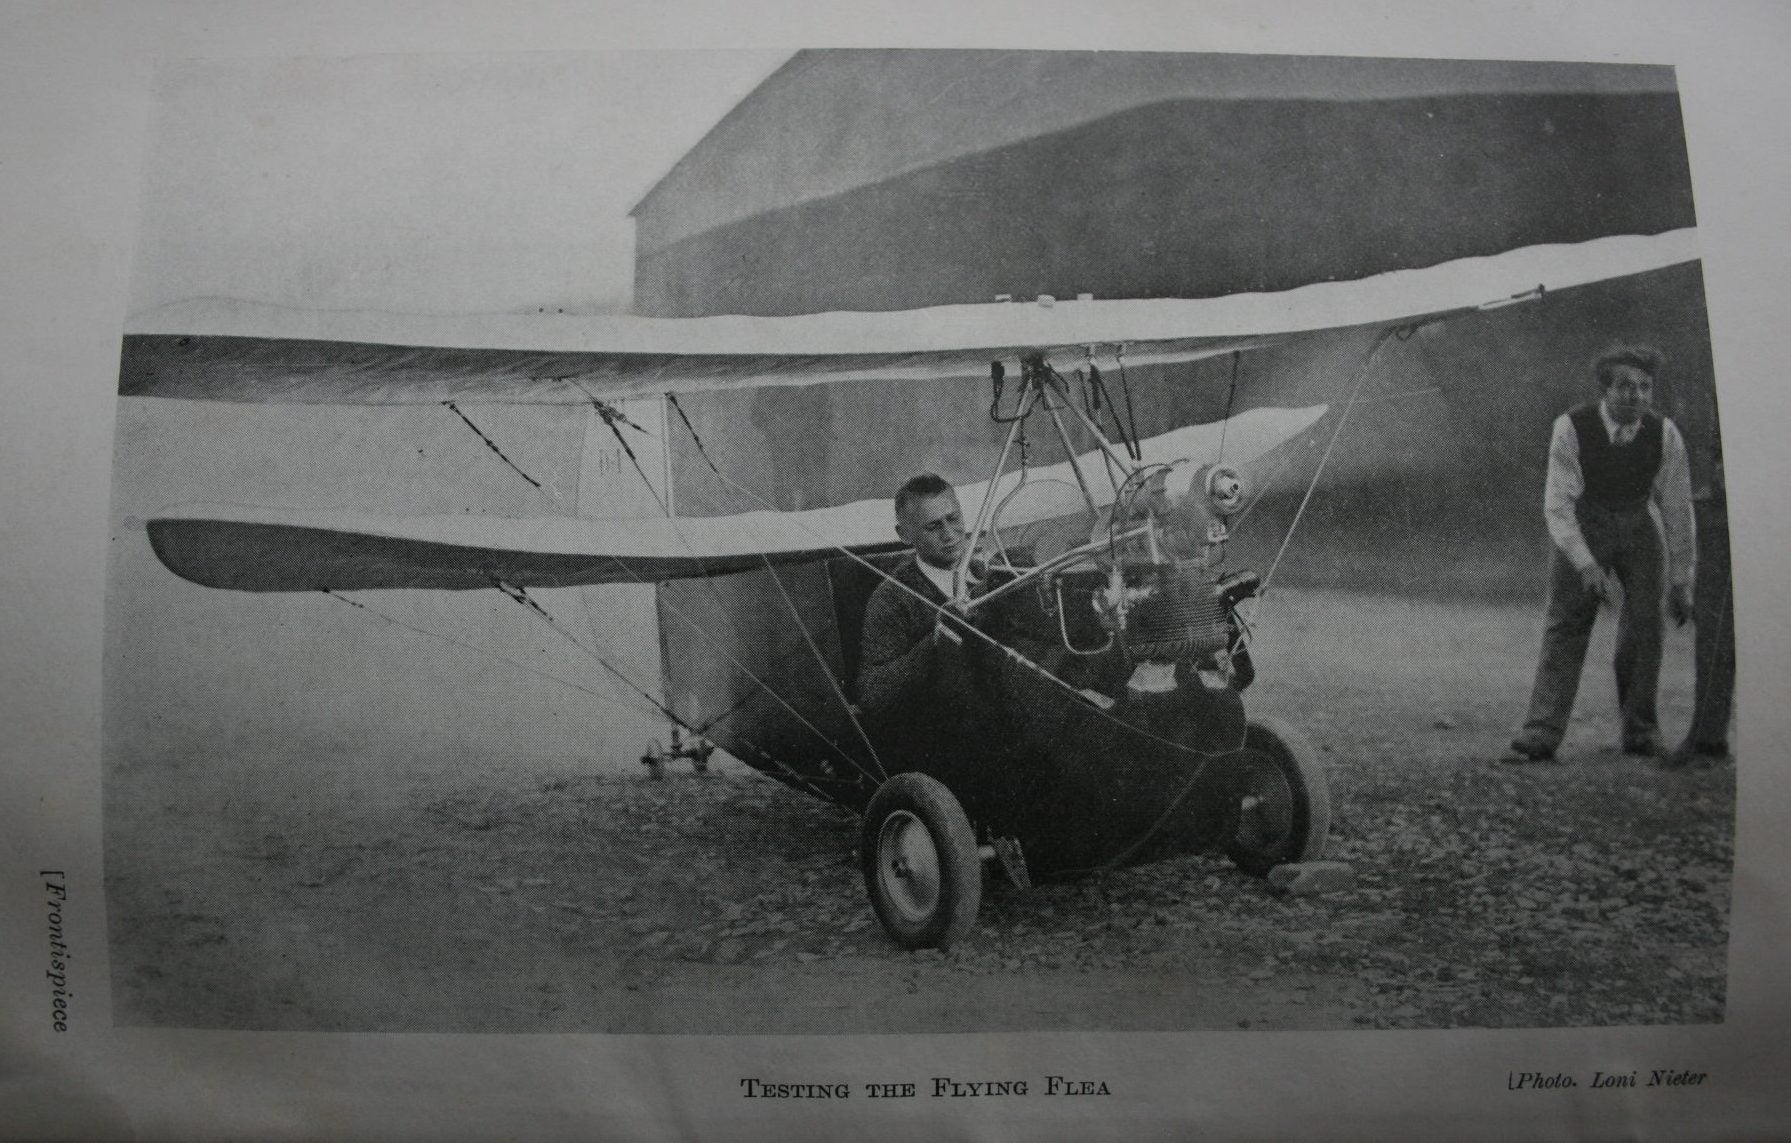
[923, 487]
[1644, 357]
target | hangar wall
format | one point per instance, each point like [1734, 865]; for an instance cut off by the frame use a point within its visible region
[1197, 198]
[891, 180]
[895, 179]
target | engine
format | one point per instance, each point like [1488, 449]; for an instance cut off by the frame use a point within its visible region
[1167, 600]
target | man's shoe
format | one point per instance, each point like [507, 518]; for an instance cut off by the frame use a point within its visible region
[1702, 755]
[1642, 745]
[1525, 748]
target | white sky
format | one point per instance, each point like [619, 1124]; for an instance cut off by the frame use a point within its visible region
[437, 184]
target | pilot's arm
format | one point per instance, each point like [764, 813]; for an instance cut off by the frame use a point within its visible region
[898, 649]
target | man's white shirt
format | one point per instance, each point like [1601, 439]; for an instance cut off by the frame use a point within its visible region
[1670, 503]
[940, 577]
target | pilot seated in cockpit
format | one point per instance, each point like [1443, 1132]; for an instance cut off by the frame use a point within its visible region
[902, 622]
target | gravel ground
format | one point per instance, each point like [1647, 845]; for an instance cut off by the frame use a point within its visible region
[1587, 893]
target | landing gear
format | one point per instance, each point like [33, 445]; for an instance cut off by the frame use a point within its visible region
[1283, 802]
[921, 865]
[696, 749]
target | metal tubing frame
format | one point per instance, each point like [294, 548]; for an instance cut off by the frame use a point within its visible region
[1039, 380]
[960, 572]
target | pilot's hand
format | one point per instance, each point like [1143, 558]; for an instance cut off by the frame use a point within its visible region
[953, 625]
[1679, 607]
[1594, 582]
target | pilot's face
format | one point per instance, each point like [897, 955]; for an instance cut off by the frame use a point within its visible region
[935, 526]
[1629, 394]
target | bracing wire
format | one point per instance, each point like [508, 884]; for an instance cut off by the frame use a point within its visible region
[826, 669]
[807, 636]
[1133, 445]
[610, 417]
[945, 612]
[691, 429]
[1274, 478]
[522, 597]
[492, 445]
[1231, 397]
[518, 594]
[703, 633]
[738, 704]
[424, 631]
[1312, 485]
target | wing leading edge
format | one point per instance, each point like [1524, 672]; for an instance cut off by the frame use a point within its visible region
[235, 351]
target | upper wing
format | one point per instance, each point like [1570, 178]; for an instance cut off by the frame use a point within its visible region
[235, 351]
[268, 549]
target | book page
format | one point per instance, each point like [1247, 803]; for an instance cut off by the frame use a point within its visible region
[325, 823]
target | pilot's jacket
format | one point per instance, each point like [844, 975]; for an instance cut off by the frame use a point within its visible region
[898, 648]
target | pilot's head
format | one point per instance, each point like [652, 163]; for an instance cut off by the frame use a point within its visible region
[928, 517]
[1626, 376]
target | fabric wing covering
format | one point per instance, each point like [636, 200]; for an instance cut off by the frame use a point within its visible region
[240, 352]
[234, 351]
[246, 548]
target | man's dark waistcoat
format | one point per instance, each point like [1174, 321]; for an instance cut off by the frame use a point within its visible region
[1617, 477]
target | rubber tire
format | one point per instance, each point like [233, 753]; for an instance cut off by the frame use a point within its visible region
[1280, 765]
[915, 813]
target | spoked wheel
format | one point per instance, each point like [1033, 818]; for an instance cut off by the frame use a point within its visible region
[920, 862]
[1282, 798]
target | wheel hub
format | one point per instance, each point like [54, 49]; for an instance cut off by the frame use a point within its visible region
[909, 864]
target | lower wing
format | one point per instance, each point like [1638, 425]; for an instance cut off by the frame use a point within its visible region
[247, 548]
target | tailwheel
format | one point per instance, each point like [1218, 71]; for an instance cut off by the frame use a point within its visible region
[921, 865]
[1283, 802]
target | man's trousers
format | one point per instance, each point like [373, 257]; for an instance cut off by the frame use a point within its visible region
[1629, 544]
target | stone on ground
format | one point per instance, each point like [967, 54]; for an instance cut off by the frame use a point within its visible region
[1313, 878]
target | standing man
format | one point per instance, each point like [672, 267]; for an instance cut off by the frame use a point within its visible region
[902, 628]
[1618, 486]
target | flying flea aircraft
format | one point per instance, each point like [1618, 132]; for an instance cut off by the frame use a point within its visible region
[1087, 708]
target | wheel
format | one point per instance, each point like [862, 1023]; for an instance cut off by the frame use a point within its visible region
[1283, 800]
[921, 866]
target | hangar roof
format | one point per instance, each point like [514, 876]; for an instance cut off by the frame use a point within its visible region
[830, 121]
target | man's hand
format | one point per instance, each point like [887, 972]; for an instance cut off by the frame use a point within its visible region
[1679, 607]
[953, 625]
[1595, 583]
